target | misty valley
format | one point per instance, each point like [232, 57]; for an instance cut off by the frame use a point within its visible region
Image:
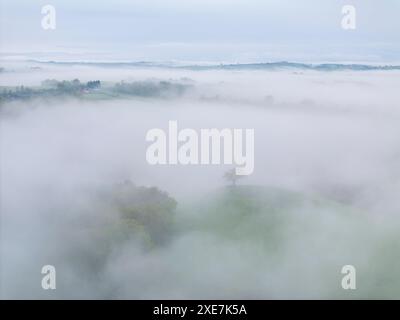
[80, 193]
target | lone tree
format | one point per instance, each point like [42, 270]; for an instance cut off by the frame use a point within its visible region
[232, 177]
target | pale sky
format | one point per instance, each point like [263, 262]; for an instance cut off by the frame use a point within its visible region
[205, 30]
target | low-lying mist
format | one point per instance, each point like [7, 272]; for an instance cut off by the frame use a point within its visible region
[78, 193]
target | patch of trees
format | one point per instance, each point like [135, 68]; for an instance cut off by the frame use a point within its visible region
[19, 92]
[121, 216]
[76, 86]
[145, 209]
[93, 84]
[50, 87]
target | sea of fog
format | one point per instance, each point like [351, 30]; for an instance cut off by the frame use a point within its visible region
[331, 138]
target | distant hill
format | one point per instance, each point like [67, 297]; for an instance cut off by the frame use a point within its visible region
[264, 213]
[234, 66]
